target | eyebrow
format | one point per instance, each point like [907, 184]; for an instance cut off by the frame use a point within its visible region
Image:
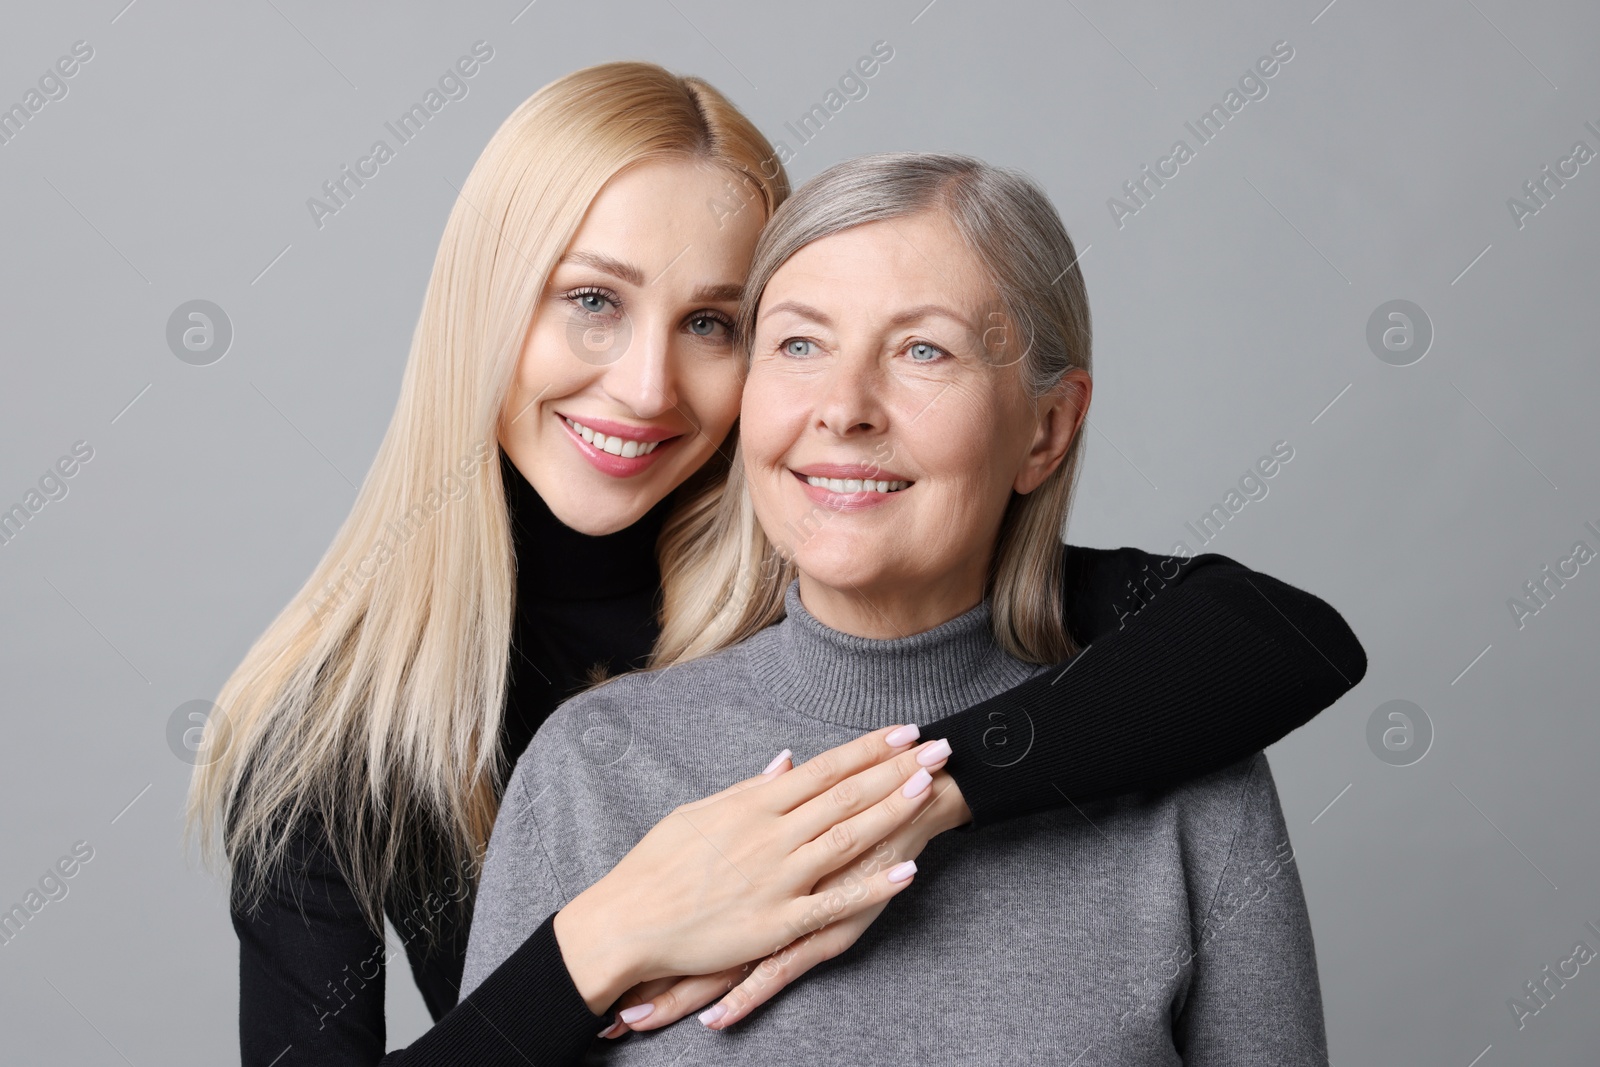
[715, 293]
[903, 318]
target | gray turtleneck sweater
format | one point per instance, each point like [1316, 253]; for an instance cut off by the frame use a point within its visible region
[1152, 928]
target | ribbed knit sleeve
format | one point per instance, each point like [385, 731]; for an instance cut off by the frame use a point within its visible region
[527, 1011]
[312, 977]
[1187, 665]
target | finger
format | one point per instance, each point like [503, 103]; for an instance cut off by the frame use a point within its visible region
[784, 761]
[856, 891]
[688, 995]
[645, 992]
[860, 791]
[875, 839]
[778, 970]
[827, 769]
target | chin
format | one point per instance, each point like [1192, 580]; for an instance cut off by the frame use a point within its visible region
[593, 528]
[598, 514]
[839, 568]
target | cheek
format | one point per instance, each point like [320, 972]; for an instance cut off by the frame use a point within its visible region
[962, 439]
[766, 434]
[970, 453]
[712, 391]
[770, 510]
[1010, 428]
[548, 365]
[770, 409]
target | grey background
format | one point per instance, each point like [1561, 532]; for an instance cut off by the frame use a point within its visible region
[1231, 313]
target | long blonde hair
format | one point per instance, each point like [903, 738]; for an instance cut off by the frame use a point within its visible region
[373, 702]
[728, 577]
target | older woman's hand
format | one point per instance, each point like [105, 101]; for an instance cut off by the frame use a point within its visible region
[753, 984]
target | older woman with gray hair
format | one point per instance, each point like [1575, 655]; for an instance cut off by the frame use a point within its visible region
[919, 346]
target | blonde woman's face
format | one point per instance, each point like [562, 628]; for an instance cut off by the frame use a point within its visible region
[629, 378]
[883, 431]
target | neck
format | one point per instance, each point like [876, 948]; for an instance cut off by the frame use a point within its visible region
[884, 612]
[808, 667]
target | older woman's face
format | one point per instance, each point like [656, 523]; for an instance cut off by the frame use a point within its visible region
[883, 431]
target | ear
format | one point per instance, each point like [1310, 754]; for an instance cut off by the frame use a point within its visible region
[1060, 414]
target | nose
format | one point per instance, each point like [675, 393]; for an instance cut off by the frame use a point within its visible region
[851, 400]
[644, 379]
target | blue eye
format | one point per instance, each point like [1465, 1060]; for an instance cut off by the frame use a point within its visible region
[591, 301]
[797, 346]
[706, 324]
[924, 353]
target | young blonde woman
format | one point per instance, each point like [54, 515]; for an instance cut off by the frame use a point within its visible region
[1117, 927]
[560, 444]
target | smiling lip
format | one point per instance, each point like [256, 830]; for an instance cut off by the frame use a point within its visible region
[614, 465]
[621, 429]
[867, 496]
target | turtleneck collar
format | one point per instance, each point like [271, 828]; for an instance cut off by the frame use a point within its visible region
[554, 561]
[863, 683]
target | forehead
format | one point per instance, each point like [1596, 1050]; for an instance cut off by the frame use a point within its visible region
[693, 216]
[878, 268]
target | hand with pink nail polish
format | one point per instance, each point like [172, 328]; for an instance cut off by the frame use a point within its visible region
[745, 871]
[734, 993]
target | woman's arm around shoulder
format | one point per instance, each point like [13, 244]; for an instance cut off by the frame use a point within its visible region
[312, 974]
[1188, 664]
[311, 971]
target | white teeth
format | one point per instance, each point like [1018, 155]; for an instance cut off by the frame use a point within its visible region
[856, 485]
[617, 446]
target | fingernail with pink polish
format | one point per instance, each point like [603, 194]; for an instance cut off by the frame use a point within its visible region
[900, 872]
[635, 1013]
[777, 761]
[712, 1014]
[903, 736]
[916, 783]
[935, 752]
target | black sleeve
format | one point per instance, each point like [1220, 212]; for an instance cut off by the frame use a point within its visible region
[1187, 664]
[526, 1012]
[311, 985]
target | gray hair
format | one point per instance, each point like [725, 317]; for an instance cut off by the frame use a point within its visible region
[1004, 218]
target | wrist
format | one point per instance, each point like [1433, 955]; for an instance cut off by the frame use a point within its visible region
[951, 808]
[599, 954]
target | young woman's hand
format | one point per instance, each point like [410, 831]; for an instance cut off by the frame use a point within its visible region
[734, 876]
[658, 1003]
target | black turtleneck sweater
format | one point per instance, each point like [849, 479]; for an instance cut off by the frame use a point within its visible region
[1188, 665]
